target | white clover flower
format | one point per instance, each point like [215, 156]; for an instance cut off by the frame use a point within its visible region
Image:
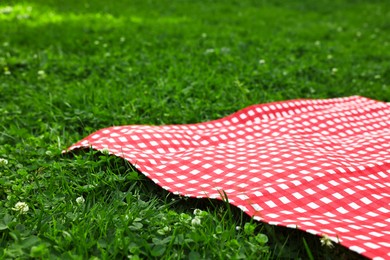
[6, 10]
[326, 241]
[80, 200]
[261, 61]
[209, 51]
[334, 71]
[196, 221]
[3, 161]
[200, 213]
[197, 212]
[238, 228]
[41, 74]
[21, 207]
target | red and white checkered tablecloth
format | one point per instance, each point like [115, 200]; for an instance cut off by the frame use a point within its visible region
[322, 166]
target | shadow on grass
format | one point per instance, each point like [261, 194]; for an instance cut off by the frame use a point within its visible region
[284, 242]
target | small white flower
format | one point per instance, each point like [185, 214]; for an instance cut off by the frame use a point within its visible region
[3, 161]
[261, 61]
[41, 74]
[195, 221]
[6, 10]
[334, 71]
[21, 207]
[197, 212]
[325, 241]
[209, 51]
[200, 213]
[80, 200]
[238, 228]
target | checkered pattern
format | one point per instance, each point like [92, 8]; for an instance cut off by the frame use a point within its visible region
[322, 166]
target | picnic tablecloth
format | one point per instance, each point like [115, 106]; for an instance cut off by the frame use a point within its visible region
[319, 165]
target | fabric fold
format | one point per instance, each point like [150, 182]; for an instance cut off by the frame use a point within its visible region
[320, 165]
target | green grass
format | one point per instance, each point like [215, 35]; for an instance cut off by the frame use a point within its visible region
[69, 68]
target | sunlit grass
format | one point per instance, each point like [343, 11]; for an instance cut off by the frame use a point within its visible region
[38, 15]
[31, 14]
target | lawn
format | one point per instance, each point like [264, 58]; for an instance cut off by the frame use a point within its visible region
[68, 68]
